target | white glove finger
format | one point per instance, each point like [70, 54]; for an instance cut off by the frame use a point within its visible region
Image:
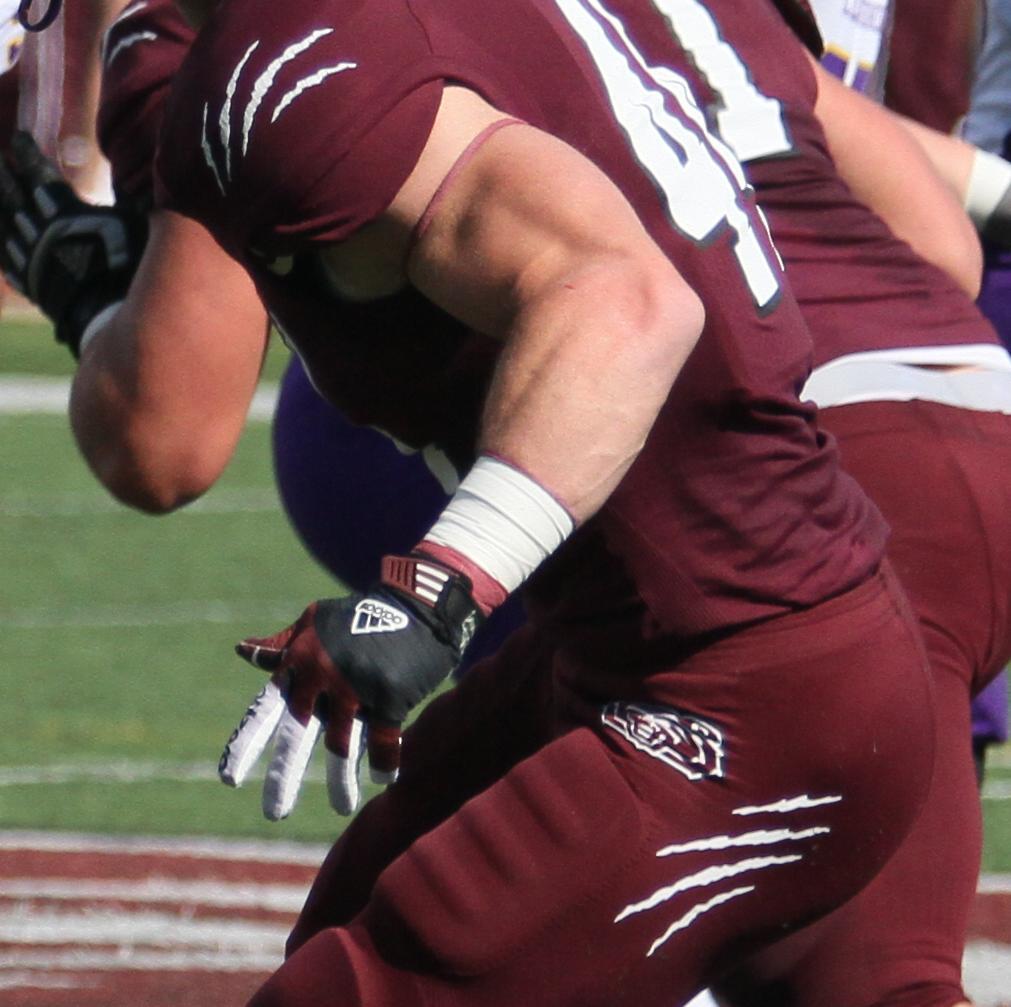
[252, 736]
[343, 775]
[293, 745]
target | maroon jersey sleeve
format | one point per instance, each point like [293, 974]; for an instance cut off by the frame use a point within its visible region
[141, 54]
[799, 16]
[344, 102]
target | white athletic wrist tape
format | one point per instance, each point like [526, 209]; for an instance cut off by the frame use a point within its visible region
[97, 324]
[503, 521]
[989, 182]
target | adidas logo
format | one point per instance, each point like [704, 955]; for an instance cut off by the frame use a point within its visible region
[372, 616]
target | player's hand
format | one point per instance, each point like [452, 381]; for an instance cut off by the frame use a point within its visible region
[352, 668]
[70, 258]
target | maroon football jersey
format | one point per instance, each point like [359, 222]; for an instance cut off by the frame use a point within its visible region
[860, 287]
[290, 127]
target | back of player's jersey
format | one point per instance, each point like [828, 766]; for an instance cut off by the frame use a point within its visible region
[735, 509]
[860, 287]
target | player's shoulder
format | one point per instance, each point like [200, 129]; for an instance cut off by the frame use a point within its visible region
[294, 84]
[270, 60]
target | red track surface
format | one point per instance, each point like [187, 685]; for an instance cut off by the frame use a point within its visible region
[90, 924]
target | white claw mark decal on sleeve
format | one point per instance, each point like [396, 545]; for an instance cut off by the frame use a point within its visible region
[788, 804]
[264, 81]
[205, 146]
[702, 879]
[716, 874]
[693, 914]
[129, 11]
[255, 99]
[126, 43]
[312, 80]
[225, 119]
[762, 837]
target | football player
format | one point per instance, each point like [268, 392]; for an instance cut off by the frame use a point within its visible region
[721, 558]
[988, 126]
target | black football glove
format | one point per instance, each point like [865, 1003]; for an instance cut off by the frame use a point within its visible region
[352, 667]
[70, 258]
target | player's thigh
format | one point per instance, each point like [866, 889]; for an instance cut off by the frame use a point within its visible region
[942, 478]
[898, 943]
[611, 867]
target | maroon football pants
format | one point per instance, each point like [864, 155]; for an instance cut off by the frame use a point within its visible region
[524, 859]
[942, 478]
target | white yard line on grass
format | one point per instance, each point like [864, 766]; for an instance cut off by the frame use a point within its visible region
[996, 790]
[124, 771]
[118, 615]
[93, 503]
[29, 394]
[130, 771]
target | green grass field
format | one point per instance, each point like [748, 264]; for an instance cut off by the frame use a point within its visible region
[119, 681]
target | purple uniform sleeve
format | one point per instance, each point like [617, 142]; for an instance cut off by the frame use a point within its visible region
[990, 712]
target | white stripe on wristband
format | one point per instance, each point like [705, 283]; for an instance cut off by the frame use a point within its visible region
[988, 183]
[503, 521]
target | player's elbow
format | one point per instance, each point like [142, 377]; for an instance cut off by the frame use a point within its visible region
[150, 475]
[663, 310]
[153, 489]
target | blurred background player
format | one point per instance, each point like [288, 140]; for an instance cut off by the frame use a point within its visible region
[12, 38]
[58, 83]
[930, 61]
[988, 125]
[885, 947]
[50, 85]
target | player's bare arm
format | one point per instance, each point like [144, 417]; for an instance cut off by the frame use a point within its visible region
[529, 242]
[980, 180]
[164, 384]
[889, 171]
[522, 238]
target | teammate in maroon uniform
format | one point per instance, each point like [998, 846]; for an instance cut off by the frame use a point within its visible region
[918, 391]
[720, 559]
